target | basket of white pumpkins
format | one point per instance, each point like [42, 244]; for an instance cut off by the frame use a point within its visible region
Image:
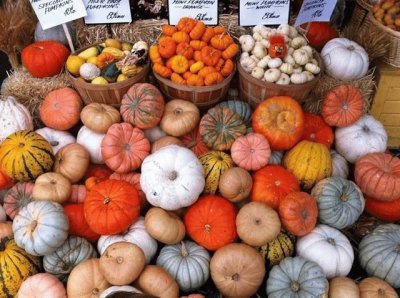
[277, 61]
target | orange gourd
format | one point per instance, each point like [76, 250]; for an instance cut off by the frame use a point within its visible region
[198, 30]
[176, 78]
[230, 51]
[195, 80]
[179, 64]
[208, 34]
[186, 24]
[184, 49]
[221, 41]
[206, 70]
[227, 68]
[219, 29]
[165, 38]
[180, 37]
[210, 56]
[197, 44]
[154, 55]
[219, 64]
[103, 59]
[186, 75]
[5, 181]
[166, 48]
[168, 30]
[162, 70]
[213, 78]
[197, 55]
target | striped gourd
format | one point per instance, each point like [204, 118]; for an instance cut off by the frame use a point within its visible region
[215, 163]
[25, 154]
[240, 107]
[15, 266]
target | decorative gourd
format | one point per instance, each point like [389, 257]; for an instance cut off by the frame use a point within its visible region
[342, 105]
[251, 152]
[51, 187]
[316, 130]
[157, 282]
[340, 166]
[44, 58]
[55, 33]
[235, 184]
[365, 136]
[72, 252]
[92, 142]
[6, 229]
[384, 210]
[379, 253]
[257, 224]
[125, 258]
[72, 162]
[180, 117]
[280, 119]
[40, 227]
[343, 287]
[136, 234]
[24, 155]
[194, 142]
[13, 117]
[86, 280]
[298, 212]
[56, 138]
[297, 277]
[210, 222]
[271, 184]
[310, 162]
[220, 127]
[241, 108]
[180, 178]
[134, 179]
[237, 270]
[42, 285]
[111, 206]
[325, 241]
[375, 287]
[142, 105]
[340, 202]
[187, 262]
[78, 225]
[99, 117]
[17, 198]
[378, 176]
[344, 59]
[78, 194]
[16, 266]
[215, 163]
[165, 141]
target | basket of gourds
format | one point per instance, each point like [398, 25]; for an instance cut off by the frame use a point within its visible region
[104, 72]
[194, 62]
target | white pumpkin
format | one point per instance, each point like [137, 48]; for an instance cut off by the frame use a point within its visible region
[172, 177]
[329, 248]
[111, 291]
[154, 133]
[92, 142]
[56, 138]
[3, 214]
[136, 234]
[13, 117]
[340, 166]
[365, 136]
[345, 59]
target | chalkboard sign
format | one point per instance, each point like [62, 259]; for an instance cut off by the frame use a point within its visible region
[267, 12]
[202, 10]
[107, 11]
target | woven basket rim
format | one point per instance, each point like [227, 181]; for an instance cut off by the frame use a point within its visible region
[382, 27]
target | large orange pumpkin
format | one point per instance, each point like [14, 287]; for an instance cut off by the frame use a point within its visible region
[211, 222]
[280, 119]
[316, 130]
[387, 211]
[134, 179]
[78, 225]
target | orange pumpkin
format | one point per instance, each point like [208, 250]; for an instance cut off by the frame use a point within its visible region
[168, 29]
[180, 36]
[230, 51]
[221, 41]
[176, 78]
[104, 59]
[186, 24]
[166, 48]
[162, 70]
[179, 63]
[134, 179]
[184, 49]
[5, 181]
[194, 142]
[227, 67]
[208, 34]
[195, 80]
[213, 78]
[197, 44]
[197, 31]
[78, 225]
[154, 54]
[210, 56]
[316, 130]
[387, 211]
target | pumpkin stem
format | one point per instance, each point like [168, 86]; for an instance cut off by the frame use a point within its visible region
[21, 145]
[344, 197]
[173, 175]
[235, 277]
[178, 111]
[33, 225]
[106, 200]
[381, 292]
[184, 251]
[54, 143]
[207, 228]
[366, 128]
[52, 181]
[295, 286]
[277, 183]
[120, 260]
[285, 121]
[95, 292]
[331, 241]
[351, 48]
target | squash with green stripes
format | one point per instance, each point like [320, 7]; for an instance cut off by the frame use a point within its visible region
[215, 163]
[15, 266]
[25, 154]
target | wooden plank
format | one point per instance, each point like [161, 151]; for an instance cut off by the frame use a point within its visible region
[392, 93]
[393, 131]
[391, 106]
[390, 119]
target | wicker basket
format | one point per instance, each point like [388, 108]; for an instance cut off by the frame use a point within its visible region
[360, 18]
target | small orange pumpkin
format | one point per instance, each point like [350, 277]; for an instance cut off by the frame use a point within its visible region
[213, 78]
[168, 29]
[227, 68]
[184, 49]
[195, 80]
[176, 78]
[154, 55]
[103, 59]
[197, 44]
[162, 70]
[230, 51]
[186, 24]
[198, 30]
[179, 64]
[210, 56]
[166, 48]
[208, 34]
[180, 37]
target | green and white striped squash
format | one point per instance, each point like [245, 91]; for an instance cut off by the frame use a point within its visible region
[242, 108]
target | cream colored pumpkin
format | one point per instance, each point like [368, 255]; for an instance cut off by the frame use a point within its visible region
[92, 142]
[235, 184]
[340, 166]
[52, 187]
[155, 280]
[340, 287]
[56, 138]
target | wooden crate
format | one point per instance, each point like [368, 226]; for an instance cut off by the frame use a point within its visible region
[386, 103]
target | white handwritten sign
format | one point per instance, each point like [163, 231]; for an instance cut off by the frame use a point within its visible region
[203, 10]
[52, 13]
[315, 11]
[267, 12]
[107, 11]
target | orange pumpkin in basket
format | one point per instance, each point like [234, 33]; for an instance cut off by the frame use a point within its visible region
[166, 48]
[210, 56]
[184, 49]
[197, 31]
[186, 24]
[316, 130]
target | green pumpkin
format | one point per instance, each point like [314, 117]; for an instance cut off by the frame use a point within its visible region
[240, 107]
[110, 72]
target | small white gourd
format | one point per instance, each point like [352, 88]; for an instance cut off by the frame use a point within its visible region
[244, 55]
[290, 51]
[272, 75]
[265, 32]
[258, 28]
[301, 57]
[265, 42]
[284, 29]
[289, 59]
[248, 64]
[293, 32]
[297, 69]
[259, 51]
[257, 36]
[89, 71]
[246, 42]
[284, 79]
[314, 69]
[257, 72]
[274, 63]
[298, 42]
[255, 58]
[314, 61]
[286, 68]
[264, 61]
[298, 78]
[309, 50]
[309, 75]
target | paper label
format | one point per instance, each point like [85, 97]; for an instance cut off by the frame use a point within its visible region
[202, 10]
[107, 11]
[315, 11]
[267, 12]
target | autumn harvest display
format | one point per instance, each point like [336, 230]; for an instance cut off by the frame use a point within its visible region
[114, 186]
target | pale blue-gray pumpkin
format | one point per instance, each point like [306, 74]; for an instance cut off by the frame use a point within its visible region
[298, 278]
[276, 158]
[379, 253]
[240, 107]
[187, 262]
[340, 201]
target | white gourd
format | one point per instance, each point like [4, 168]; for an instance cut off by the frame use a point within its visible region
[274, 63]
[265, 43]
[290, 51]
[301, 57]
[248, 64]
[314, 61]
[259, 51]
[286, 68]
[258, 28]
[308, 49]
[246, 42]
[284, 79]
[298, 42]
[272, 75]
[309, 75]
[293, 32]
[284, 29]
[314, 69]
[340, 166]
[89, 71]
[265, 32]
[255, 58]
[56, 138]
[297, 69]
[298, 78]
[264, 62]
[289, 59]
[257, 36]
[257, 72]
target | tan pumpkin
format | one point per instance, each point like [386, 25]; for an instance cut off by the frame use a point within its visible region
[340, 287]
[6, 229]
[373, 287]
[164, 226]
[122, 263]
[72, 161]
[165, 141]
[235, 184]
[52, 187]
[180, 117]
[99, 117]
[257, 224]
[154, 280]
[42, 285]
[86, 280]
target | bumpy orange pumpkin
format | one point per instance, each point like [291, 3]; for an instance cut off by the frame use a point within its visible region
[316, 130]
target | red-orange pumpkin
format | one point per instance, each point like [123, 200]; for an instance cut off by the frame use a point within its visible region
[5, 181]
[44, 58]
[211, 222]
[388, 211]
[134, 179]
[99, 171]
[378, 176]
[271, 184]
[61, 109]
[298, 212]
[78, 225]
[17, 197]
[111, 206]
[319, 33]
[280, 119]
[142, 105]
[316, 130]
[194, 142]
[78, 194]
[342, 105]
[124, 147]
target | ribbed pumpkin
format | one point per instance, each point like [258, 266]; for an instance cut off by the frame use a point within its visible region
[78, 225]
[340, 202]
[340, 166]
[72, 162]
[316, 130]
[99, 117]
[372, 287]
[42, 285]
[271, 184]
[220, 127]
[210, 222]
[215, 163]
[16, 265]
[194, 142]
[384, 210]
[17, 198]
[343, 287]
[310, 162]
[142, 105]
[124, 147]
[243, 109]
[134, 179]
[24, 155]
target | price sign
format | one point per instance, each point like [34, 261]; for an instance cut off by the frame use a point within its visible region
[315, 11]
[267, 12]
[107, 11]
[202, 10]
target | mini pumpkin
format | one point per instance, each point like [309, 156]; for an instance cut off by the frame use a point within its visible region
[235, 184]
[42, 284]
[99, 117]
[72, 162]
[51, 186]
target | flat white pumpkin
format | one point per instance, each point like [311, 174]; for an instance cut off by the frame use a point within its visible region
[92, 142]
[56, 138]
[340, 166]
[172, 177]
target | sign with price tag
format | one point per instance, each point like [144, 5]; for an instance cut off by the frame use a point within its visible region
[315, 11]
[267, 12]
[56, 12]
[107, 11]
[202, 10]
